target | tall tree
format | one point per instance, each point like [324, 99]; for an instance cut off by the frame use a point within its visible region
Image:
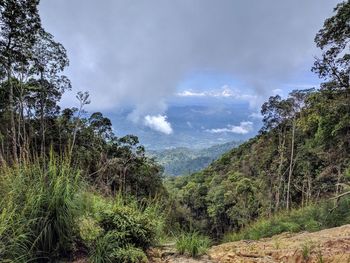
[333, 40]
[48, 62]
[19, 24]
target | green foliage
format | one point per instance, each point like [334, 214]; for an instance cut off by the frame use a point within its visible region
[89, 230]
[38, 206]
[119, 229]
[192, 243]
[129, 254]
[44, 209]
[107, 250]
[311, 218]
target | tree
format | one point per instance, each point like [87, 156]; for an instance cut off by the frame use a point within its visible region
[49, 59]
[19, 24]
[83, 98]
[275, 113]
[333, 40]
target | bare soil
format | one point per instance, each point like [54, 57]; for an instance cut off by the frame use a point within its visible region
[326, 246]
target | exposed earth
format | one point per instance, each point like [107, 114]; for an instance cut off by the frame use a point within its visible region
[329, 245]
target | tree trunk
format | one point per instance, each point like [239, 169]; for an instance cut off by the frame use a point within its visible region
[290, 166]
[12, 117]
[309, 188]
[42, 120]
[282, 143]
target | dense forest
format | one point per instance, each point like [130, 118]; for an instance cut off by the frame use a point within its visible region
[70, 188]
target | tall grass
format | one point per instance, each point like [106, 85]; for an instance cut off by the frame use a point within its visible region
[37, 210]
[46, 212]
[192, 243]
[311, 218]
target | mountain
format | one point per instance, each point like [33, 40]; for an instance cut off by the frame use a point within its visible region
[183, 160]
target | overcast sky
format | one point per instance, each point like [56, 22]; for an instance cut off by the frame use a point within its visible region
[141, 53]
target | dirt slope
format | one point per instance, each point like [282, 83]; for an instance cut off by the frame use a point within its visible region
[330, 245]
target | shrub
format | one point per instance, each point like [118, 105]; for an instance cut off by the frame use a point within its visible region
[129, 254]
[128, 228]
[89, 230]
[192, 243]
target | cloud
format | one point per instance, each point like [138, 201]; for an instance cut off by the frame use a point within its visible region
[189, 124]
[158, 123]
[277, 91]
[225, 92]
[243, 128]
[188, 93]
[135, 53]
[256, 115]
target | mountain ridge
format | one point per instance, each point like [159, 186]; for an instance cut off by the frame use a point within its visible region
[183, 160]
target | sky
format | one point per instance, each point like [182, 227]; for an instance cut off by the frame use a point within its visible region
[186, 72]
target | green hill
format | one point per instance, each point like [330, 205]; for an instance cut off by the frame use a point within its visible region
[182, 160]
[301, 156]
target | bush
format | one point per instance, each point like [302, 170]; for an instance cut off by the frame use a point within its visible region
[129, 254]
[192, 243]
[311, 218]
[128, 228]
[89, 230]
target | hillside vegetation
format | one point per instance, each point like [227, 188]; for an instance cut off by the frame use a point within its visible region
[301, 156]
[182, 160]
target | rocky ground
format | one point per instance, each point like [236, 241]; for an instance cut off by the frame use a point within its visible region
[330, 245]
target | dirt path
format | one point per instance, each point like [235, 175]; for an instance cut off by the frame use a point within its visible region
[330, 245]
[167, 254]
[326, 246]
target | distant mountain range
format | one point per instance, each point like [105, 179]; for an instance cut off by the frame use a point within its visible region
[183, 160]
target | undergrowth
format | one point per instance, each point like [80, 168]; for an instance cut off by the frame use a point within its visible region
[192, 243]
[47, 213]
[312, 218]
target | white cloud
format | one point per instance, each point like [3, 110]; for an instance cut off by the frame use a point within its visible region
[225, 92]
[189, 124]
[277, 91]
[188, 93]
[302, 85]
[243, 128]
[256, 115]
[158, 123]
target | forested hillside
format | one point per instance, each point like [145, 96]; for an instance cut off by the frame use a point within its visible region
[300, 156]
[182, 160]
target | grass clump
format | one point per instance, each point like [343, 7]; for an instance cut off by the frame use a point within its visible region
[192, 243]
[306, 249]
[312, 218]
[37, 211]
